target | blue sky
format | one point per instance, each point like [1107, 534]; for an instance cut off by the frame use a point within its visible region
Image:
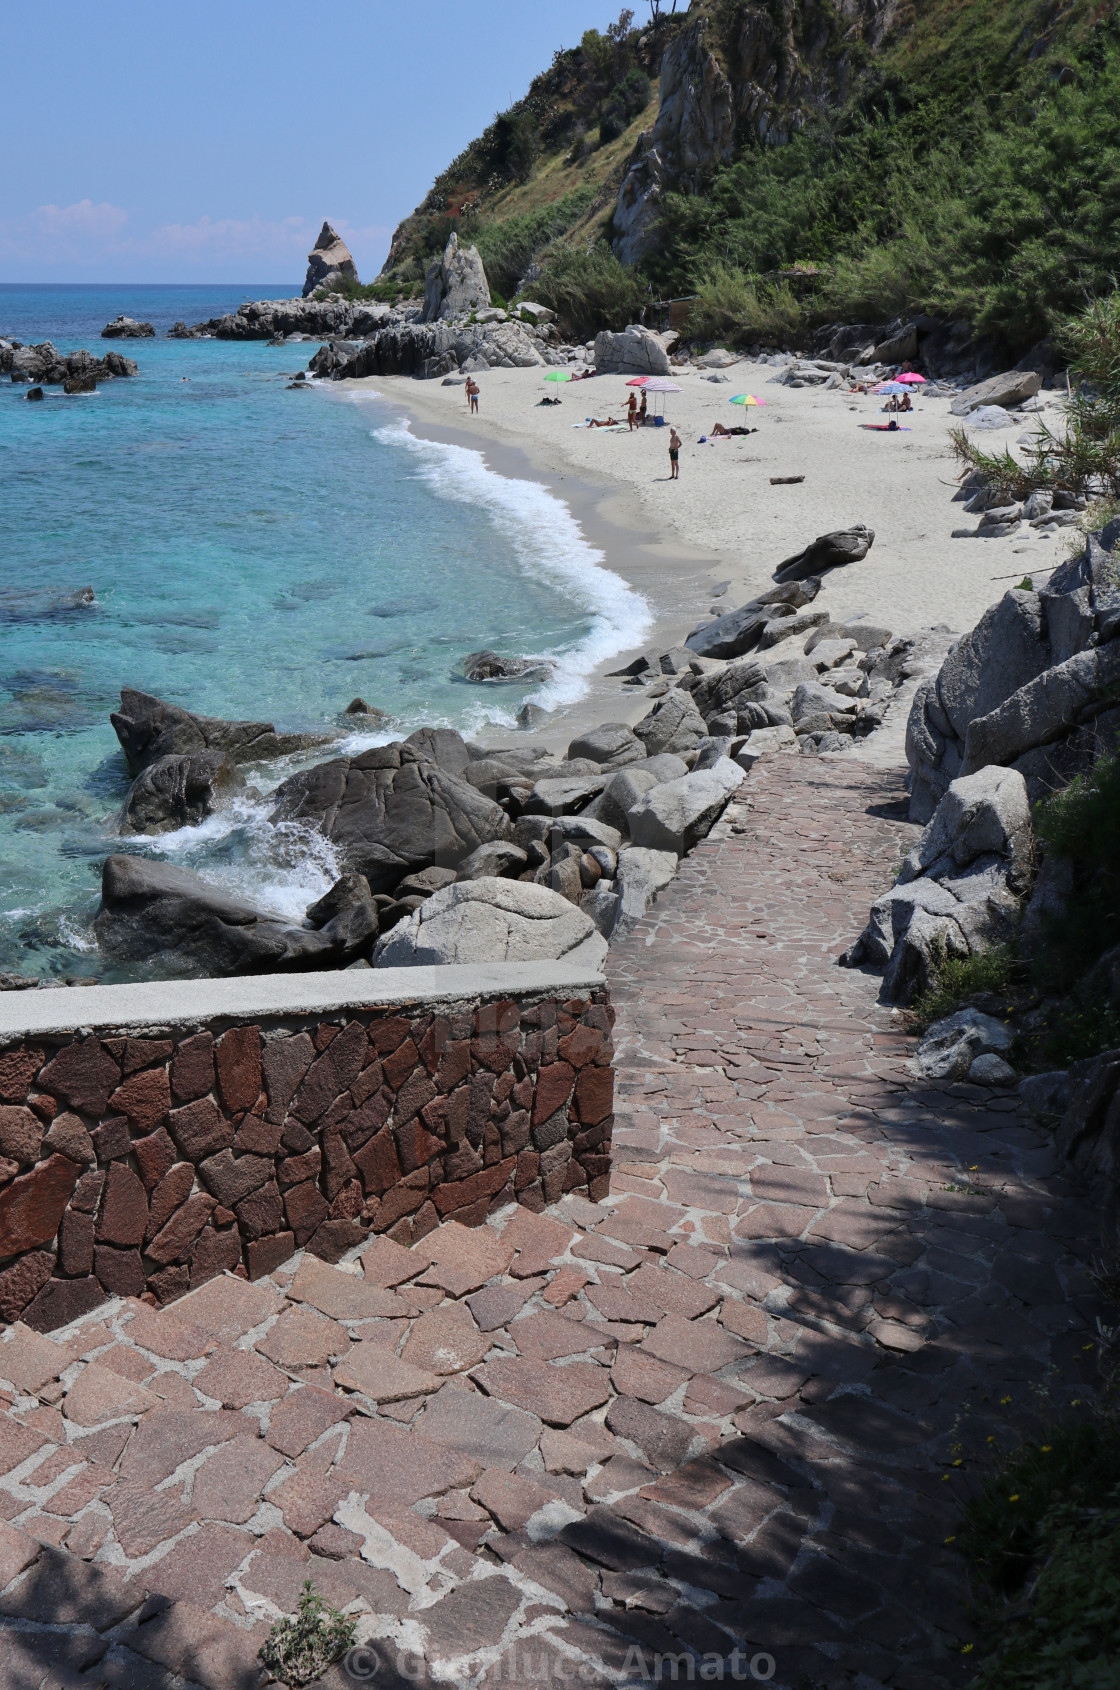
[144, 140]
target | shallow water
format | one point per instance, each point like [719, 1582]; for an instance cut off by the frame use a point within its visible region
[251, 551]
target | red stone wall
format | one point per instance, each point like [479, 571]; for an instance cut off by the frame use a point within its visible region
[144, 1166]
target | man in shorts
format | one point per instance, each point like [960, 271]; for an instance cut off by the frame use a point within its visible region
[472, 395]
[674, 455]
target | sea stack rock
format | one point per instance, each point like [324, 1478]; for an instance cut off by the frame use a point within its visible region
[127, 328]
[328, 263]
[455, 284]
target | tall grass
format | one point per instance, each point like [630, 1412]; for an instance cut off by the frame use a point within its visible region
[509, 246]
[740, 310]
[590, 291]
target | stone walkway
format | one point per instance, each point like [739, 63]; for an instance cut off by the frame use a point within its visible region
[706, 1429]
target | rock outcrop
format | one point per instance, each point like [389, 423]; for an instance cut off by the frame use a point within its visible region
[149, 729]
[455, 284]
[403, 346]
[827, 551]
[960, 888]
[1009, 389]
[328, 263]
[178, 791]
[390, 811]
[127, 328]
[1030, 687]
[636, 351]
[155, 912]
[49, 368]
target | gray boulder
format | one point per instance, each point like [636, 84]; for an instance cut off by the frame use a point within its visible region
[328, 263]
[456, 283]
[149, 729]
[984, 813]
[741, 630]
[347, 914]
[153, 911]
[641, 874]
[678, 813]
[443, 747]
[674, 724]
[612, 746]
[636, 351]
[561, 796]
[1010, 388]
[177, 791]
[1046, 709]
[390, 812]
[499, 860]
[491, 666]
[492, 921]
[127, 328]
[952, 1045]
[828, 551]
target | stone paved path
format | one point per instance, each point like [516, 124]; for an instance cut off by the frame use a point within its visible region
[714, 1417]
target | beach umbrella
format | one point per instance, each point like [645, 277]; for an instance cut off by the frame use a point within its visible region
[746, 399]
[637, 381]
[910, 376]
[889, 387]
[658, 384]
[558, 375]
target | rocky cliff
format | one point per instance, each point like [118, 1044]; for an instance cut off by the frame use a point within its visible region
[736, 73]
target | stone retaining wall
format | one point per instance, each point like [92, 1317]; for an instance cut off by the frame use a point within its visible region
[176, 1131]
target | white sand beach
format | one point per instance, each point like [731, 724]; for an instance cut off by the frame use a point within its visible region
[724, 525]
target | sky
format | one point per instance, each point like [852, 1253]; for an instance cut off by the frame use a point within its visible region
[154, 141]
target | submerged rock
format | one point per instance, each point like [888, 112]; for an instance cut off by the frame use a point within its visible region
[149, 729]
[491, 666]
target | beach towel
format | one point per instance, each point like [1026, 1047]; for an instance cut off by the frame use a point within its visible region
[885, 428]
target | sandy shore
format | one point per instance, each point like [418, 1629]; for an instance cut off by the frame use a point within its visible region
[723, 525]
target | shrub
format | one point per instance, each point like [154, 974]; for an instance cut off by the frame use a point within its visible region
[738, 309]
[961, 978]
[507, 248]
[589, 291]
[1082, 824]
[626, 99]
[1043, 1540]
[300, 1649]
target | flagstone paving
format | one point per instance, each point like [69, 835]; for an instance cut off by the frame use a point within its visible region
[713, 1417]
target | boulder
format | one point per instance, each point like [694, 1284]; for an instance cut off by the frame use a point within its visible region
[564, 796]
[492, 666]
[127, 328]
[992, 1070]
[149, 729]
[865, 636]
[389, 811]
[764, 741]
[443, 747]
[1043, 710]
[328, 263]
[495, 861]
[641, 874]
[177, 791]
[828, 551]
[980, 814]
[347, 914]
[612, 746]
[950, 1046]
[455, 284]
[491, 921]
[740, 630]
[155, 911]
[674, 724]
[1010, 388]
[678, 813]
[636, 351]
[529, 311]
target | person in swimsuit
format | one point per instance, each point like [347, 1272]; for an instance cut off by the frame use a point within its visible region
[632, 411]
[674, 455]
[472, 394]
[642, 412]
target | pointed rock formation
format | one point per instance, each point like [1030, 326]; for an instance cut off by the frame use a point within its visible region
[456, 283]
[328, 263]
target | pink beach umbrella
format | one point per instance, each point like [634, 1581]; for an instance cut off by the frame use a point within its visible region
[637, 381]
[910, 376]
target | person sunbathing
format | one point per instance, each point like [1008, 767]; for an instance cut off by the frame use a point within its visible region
[607, 422]
[719, 432]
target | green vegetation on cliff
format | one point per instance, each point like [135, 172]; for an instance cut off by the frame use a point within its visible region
[966, 164]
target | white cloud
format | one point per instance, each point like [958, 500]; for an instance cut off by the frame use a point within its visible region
[87, 236]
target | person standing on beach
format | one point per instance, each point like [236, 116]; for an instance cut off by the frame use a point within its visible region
[642, 412]
[674, 455]
[472, 395]
[632, 410]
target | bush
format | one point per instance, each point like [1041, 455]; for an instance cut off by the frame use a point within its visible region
[1082, 824]
[737, 309]
[509, 247]
[1043, 1539]
[625, 101]
[1085, 456]
[589, 291]
[959, 979]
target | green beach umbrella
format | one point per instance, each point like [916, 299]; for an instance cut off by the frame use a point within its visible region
[746, 399]
[558, 375]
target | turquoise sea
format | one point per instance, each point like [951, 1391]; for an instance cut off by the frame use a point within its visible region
[255, 552]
